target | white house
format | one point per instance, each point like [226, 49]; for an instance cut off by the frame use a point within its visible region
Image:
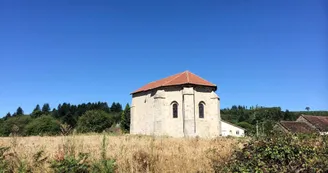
[228, 129]
[182, 105]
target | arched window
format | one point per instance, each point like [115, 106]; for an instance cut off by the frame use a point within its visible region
[175, 109]
[201, 109]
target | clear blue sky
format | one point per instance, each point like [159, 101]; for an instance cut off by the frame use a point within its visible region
[257, 52]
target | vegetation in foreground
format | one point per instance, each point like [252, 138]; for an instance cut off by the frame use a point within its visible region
[106, 153]
[284, 153]
[125, 153]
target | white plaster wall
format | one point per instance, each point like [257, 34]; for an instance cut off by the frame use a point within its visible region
[230, 130]
[173, 126]
[209, 126]
[151, 112]
[142, 120]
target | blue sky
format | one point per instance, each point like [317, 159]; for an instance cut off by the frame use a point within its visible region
[257, 52]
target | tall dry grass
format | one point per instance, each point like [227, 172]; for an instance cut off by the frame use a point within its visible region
[132, 153]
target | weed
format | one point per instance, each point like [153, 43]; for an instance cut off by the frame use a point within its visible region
[70, 164]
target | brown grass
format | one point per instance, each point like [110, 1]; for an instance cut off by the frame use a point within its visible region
[132, 153]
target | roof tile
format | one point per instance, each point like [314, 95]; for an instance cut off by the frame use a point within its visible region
[297, 127]
[320, 122]
[185, 77]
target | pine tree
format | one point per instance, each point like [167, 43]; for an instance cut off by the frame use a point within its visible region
[119, 107]
[36, 112]
[116, 107]
[19, 111]
[8, 115]
[46, 108]
[126, 119]
[37, 108]
[113, 107]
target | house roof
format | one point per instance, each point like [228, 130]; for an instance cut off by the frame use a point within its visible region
[185, 77]
[297, 127]
[320, 122]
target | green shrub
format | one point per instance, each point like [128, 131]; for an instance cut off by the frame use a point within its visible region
[70, 164]
[15, 125]
[104, 166]
[4, 165]
[44, 125]
[248, 127]
[2, 132]
[94, 121]
[280, 154]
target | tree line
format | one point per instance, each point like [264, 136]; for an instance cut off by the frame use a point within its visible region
[262, 117]
[99, 117]
[86, 117]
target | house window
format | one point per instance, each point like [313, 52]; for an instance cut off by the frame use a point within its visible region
[175, 109]
[237, 132]
[201, 109]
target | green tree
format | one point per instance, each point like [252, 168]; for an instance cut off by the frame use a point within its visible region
[8, 115]
[37, 108]
[94, 121]
[16, 125]
[288, 115]
[248, 127]
[45, 108]
[307, 108]
[36, 112]
[2, 121]
[125, 119]
[116, 107]
[19, 111]
[43, 125]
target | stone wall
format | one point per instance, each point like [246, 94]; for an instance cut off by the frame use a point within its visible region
[152, 114]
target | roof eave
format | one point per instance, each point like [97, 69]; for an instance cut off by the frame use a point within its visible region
[139, 91]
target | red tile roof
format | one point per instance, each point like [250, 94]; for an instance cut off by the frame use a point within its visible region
[297, 127]
[185, 77]
[320, 122]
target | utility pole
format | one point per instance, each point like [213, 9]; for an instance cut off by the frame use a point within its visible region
[262, 128]
[257, 128]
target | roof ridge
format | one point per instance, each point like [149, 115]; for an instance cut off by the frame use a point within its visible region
[178, 75]
[202, 78]
[292, 121]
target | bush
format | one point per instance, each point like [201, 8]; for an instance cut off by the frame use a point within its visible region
[94, 121]
[248, 127]
[2, 127]
[70, 164]
[66, 161]
[43, 125]
[4, 165]
[280, 154]
[15, 125]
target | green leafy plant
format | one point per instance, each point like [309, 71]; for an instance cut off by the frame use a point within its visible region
[4, 165]
[286, 153]
[105, 165]
[39, 160]
[71, 164]
[94, 121]
[43, 125]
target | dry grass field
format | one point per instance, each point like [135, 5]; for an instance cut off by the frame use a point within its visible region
[132, 153]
